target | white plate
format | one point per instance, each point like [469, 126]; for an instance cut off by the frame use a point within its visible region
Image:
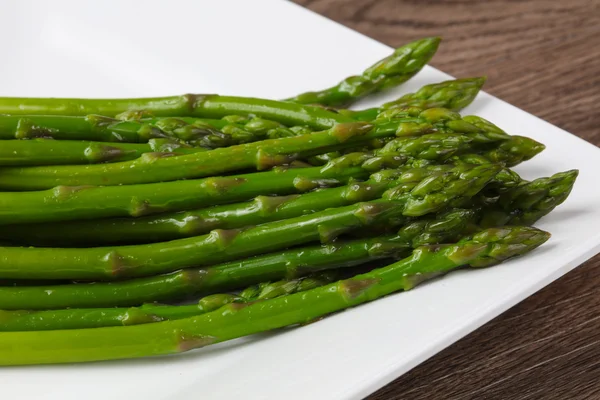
[274, 49]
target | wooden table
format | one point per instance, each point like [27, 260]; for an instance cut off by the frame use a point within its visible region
[544, 57]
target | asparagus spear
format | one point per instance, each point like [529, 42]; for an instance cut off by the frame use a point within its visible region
[213, 133]
[236, 320]
[472, 130]
[432, 148]
[209, 133]
[265, 154]
[163, 227]
[53, 152]
[188, 105]
[73, 203]
[453, 95]
[431, 195]
[156, 168]
[506, 200]
[228, 276]
[73, 318]
[528, 202]
[391, 71]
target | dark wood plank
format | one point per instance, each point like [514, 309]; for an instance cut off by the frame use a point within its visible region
[544, 57]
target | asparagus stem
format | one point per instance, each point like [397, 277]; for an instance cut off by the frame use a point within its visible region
[65, 152]
[149, 168]
[431, 195]
[208, 133]
[391, 71]
[80, 318]
[293, 263]
[236, 320]
[158, 168]
[164, 227]
[189, 105]
[65, 203]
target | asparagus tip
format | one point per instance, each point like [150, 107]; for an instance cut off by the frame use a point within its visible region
[508, 242]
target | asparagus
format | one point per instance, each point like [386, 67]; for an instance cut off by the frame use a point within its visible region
[471, 139]
[65, 203]
[188, 105]
[150, 168]
[506, 200]
[431, 195]
[453, 95]
[270, 290]
[391, 71]
[164, 227]
[158, 168]
[209, 133]
[431, 148]
[53, 152]
[73, 318]
[526, 203]
[228, 276]
[236, 320]
[194, 281]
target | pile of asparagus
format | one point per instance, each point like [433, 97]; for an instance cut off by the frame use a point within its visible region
[274, 213]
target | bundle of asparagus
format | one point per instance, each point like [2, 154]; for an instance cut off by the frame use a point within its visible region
[115, 211]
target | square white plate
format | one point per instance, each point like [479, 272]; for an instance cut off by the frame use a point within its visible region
[274, 49]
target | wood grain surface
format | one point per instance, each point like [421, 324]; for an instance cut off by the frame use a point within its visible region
[544, 57]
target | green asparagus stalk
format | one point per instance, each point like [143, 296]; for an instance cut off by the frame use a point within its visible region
[431, 148]
[154, 167]
[270, 290]
[453, 95]
[65, 203]
[164, 227]
[208, 133]
[74, 318]
[150, 168]
[65, 152]
[431, 195]
[236, 320]
[472, 140]
[389, 72]
[292, 263]
[188, 105]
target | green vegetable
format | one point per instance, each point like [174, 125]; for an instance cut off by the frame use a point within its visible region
[155, 167]
[60, 152]
[292, 263]
[66, 203]
[526, 203]
[74, 318]
[431, 195]
[163, 227]
[236, 320]
[261, 155]
[389, 72]
[453, 95]
[510, 152]
[189, 105]
[208, 133]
